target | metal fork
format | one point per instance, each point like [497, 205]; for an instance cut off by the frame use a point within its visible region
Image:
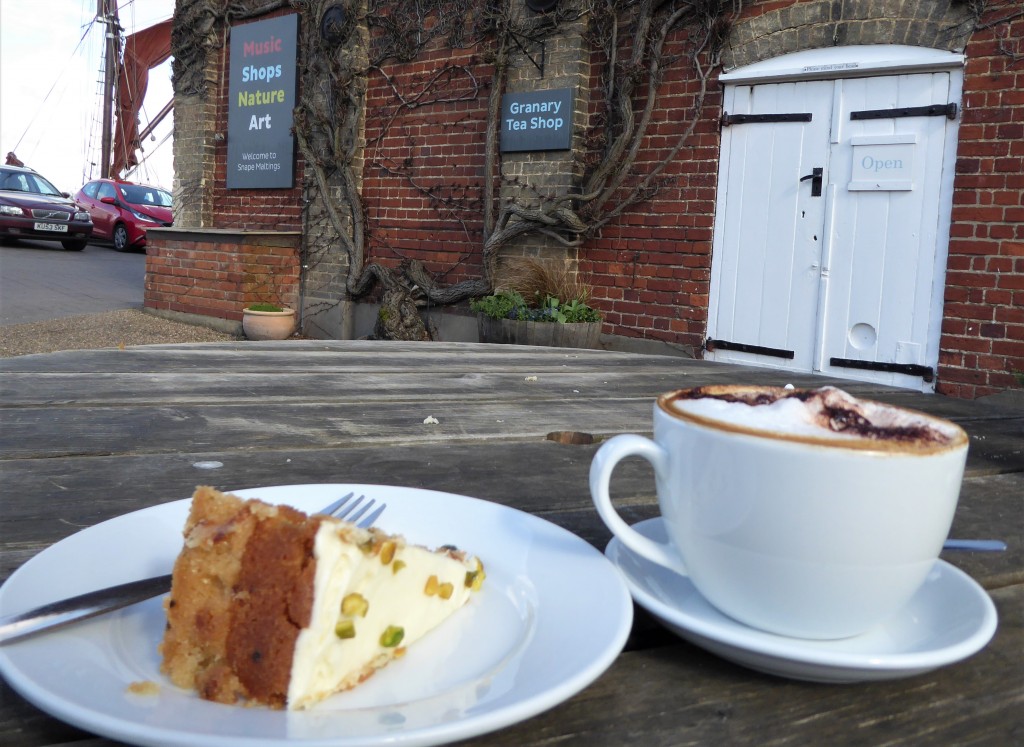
[354, 512]
[68, 611]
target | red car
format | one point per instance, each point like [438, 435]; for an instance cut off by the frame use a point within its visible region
[122, 211]
[32, 208]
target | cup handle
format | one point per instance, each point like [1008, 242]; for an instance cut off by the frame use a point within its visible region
[610, 454]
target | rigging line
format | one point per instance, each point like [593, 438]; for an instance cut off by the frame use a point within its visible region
[146, 155]
[93, 147]
[89, 120]
[127, 147]
[28, 127]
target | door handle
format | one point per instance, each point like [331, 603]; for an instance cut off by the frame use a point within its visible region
[815, 177]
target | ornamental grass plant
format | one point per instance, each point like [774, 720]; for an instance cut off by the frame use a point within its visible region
[532, 290]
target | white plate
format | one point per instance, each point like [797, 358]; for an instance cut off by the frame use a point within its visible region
[552, 616]
[950, 618]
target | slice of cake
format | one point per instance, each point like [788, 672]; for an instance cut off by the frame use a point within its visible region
[271, 606]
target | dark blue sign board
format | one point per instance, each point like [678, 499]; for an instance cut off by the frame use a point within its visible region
[538, 120]
[261, 97]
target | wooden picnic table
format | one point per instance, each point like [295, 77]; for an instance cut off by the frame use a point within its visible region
[89, 435]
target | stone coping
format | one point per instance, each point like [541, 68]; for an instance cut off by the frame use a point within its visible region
[183, 233]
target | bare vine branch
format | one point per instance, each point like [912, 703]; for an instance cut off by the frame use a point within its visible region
[335, 76]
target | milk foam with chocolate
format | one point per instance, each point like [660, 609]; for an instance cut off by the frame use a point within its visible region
[820, 413]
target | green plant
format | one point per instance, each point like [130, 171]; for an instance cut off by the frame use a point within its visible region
[533, 290]
[501, 305]
[577, 311]
[550, 311]
[264, 307]
[512, 305]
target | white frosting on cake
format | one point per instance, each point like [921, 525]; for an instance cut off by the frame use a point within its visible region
[325, 663]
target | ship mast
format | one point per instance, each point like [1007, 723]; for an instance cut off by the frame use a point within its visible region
[106, 11]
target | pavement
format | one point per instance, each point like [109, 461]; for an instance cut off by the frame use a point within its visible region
[53, 300]
[40, 281]
[111, 329]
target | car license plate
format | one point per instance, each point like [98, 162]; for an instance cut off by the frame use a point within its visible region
[55, 227]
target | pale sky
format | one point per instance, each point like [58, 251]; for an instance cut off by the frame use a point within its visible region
[51, 57]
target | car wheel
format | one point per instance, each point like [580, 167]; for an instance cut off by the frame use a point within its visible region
[120, 238]
[74, 246]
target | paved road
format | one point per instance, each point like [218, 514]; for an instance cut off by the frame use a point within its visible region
[40, 281]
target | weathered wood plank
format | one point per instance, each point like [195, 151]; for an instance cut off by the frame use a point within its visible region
[680, 695]
[50, 432]
[24, 725]
[55, 390]
[52, 389]
[347, 356]
[30, 432]
[368, 357]
[80, 492]
[89, 435]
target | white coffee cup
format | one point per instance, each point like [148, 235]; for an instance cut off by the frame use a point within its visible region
[814, 534]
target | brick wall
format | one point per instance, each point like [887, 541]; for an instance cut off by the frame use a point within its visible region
[423, 172]
[218, 273]
[983, 326]
[982, 344]
[652, 267]
[260, 209]
[232, 247]
[423, 163]
[200, 156]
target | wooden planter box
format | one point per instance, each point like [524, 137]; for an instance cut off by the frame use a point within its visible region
[547, 334]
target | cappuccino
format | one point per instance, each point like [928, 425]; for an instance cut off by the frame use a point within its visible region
[825, 414]
[806, 513]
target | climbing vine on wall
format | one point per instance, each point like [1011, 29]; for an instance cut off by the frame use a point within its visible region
[661, 34]
[344, 42]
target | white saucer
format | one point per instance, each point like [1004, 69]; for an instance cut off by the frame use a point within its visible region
[950, 618]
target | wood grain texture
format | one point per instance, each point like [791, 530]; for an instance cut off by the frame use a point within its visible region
[86, 436]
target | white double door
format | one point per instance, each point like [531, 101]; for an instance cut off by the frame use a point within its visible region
[831, 229]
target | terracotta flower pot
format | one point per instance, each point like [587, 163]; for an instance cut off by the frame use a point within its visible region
[268, 325]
